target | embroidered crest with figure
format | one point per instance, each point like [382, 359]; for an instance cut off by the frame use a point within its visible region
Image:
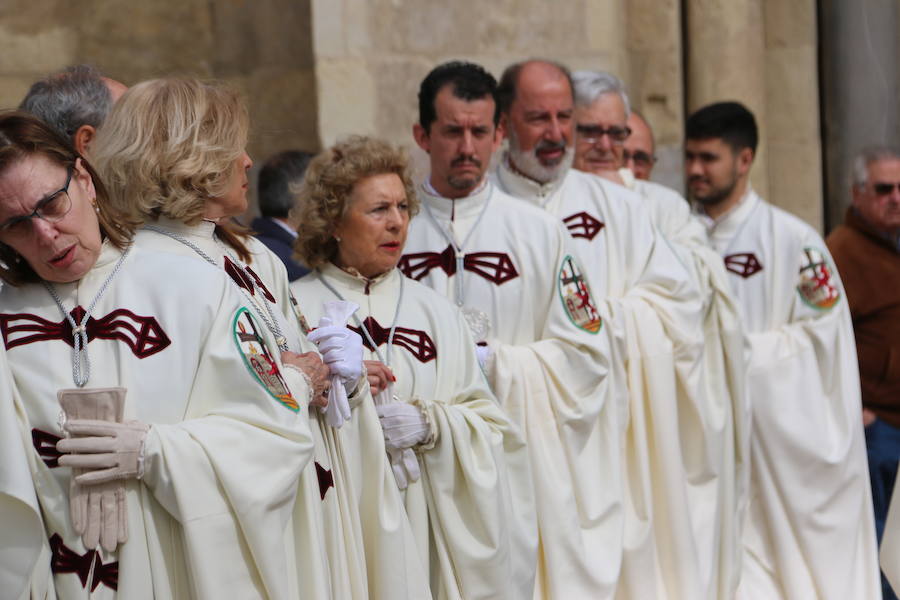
[817, 286]
[259, 361]
[575, 294]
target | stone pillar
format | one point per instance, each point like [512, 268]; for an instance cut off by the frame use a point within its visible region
[792, 109]
[725, 44]
[656, 80]
[860, 83]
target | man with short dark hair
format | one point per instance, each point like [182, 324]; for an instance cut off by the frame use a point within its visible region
[654, 313]
[543, 346]
[866, 250]
[74, 101]
[809, 529]
[278, 180]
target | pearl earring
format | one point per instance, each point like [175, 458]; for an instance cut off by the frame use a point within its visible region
[337, 239]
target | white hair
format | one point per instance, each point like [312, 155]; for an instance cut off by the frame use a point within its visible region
[865, 157]
[590, 85]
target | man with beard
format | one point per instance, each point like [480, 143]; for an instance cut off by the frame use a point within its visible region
[809, 531]
[601, 111]
[653, 311]
[544, 348]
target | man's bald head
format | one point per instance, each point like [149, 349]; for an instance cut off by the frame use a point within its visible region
[536, 105]
[640, 147]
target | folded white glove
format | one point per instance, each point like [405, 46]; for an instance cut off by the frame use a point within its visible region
[99, 512]
[105, 451]
[484, 354]
[404, 425]
[341, 350]
[405, 466]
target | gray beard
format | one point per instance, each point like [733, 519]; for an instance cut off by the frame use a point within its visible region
[528, 164]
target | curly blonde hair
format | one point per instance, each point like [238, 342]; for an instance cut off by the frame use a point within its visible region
[328, 184]
[168, 146]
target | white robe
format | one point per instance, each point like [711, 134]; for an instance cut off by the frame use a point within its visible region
[476, 463]
[654, 311]
[548, 371]
[221, 458]
[369, 551]
[721, 458]
[810, 531]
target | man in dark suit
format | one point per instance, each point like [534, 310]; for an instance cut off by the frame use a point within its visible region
[276, 199]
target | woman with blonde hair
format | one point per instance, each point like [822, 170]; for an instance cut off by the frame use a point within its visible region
[452, 450]
[173, 152]
[127, 398]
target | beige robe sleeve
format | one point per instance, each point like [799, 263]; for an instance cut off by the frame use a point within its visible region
[477, 484]
[229, 472]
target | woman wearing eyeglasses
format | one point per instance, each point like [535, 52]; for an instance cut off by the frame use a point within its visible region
[130, 391]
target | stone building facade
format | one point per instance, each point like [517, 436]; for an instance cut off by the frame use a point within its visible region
[315, 70]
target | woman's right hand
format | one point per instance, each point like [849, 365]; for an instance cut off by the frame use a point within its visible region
[379, 375]
[317, 371]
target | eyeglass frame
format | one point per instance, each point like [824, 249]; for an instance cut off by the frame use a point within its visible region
[639, 156]
[10, 223]
[593, 133]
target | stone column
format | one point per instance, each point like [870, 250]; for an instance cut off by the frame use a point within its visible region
[860, 83]
[725, 48]
[792, 109]
[655, 80]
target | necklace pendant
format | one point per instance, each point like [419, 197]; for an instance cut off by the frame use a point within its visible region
[478, 321]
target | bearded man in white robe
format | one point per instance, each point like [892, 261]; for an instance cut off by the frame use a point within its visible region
[718, 459]
[511, 269]
[654, 313]
[809, 532]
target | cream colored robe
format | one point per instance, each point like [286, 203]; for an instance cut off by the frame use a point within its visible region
[548, 371]
[718, 463]
[810, 531]
[476, 465]
[352, 537]
[654, 311]
[221, 458]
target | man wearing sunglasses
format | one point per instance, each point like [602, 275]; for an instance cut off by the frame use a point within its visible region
[867, 254]
[809, 524]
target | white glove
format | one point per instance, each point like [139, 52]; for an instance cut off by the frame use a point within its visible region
[105, 451]
[404, 425]
[484, 354]
[405, 466]
[341, 350]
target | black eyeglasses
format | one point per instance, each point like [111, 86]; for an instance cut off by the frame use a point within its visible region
[640, 158]
[592, 133]
[883, 189]
[52, 209]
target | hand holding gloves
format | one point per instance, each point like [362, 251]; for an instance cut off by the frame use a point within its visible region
[341, 350]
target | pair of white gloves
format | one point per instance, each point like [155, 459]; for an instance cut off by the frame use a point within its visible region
[342, 351]
[103, 452]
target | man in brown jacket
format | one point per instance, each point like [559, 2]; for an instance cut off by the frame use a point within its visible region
[866, 249]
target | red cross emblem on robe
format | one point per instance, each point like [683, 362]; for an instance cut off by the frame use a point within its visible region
[417, 342]
[496, 267]
[143, 335]
[744, 264]
[583, 225]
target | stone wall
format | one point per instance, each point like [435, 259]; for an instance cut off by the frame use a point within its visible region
[315, 70]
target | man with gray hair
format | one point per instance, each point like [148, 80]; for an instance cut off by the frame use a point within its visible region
[74, 101]
[866, 250]
[601, 116]
[653, 311]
